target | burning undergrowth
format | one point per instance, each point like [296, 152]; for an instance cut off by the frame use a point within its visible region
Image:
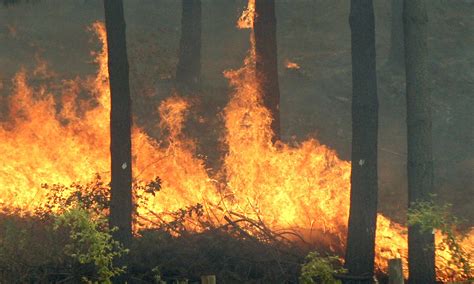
[265, 194]
[186, 245]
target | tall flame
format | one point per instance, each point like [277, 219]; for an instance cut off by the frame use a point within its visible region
[247, 18]
[45, 143]
[304, 187]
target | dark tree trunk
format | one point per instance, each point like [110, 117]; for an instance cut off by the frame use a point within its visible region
[421, 254]
[120, 123]
[396, 56]
[266, 60]
[363, 211]
[188, 72]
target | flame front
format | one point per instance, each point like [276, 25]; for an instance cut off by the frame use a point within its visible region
[304, 187]
[43, 144]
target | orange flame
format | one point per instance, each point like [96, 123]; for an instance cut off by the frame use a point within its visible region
[247, 18]
[305, 187]
[291, 65]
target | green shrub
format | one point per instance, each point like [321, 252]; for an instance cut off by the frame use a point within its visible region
[319, 269]
[91, 243]
[429, 216]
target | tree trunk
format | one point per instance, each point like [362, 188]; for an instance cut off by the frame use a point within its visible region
[120, 123]
[395, 271]
[363, 210]
[421, 255]
[397, 50]
[266, 60]
[188, 72]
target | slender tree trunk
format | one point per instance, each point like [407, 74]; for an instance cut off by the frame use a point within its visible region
[421, 254]
[120, 123]
[396, 56]
[363, 210]
[266, 60]
[188, 72]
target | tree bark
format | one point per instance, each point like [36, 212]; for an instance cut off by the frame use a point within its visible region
[266, 60]
[421, 253]
[363, 210]
[120, 123]
[188, 72]
[395, 271]
[396, 56]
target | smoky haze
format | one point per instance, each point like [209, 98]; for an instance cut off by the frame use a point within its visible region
[315, 99]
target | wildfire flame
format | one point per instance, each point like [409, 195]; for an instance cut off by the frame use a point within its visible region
[291, 65]
[247, 18]
[304, 187]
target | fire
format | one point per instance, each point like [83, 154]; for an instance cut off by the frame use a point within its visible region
[286, 186]
[291, 65]
[42, 144]
[304, 187]
[248, 15]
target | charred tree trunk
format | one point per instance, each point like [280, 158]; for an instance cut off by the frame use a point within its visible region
[396, 56]
[421, 253]
[363, 211]
[120, 123]
[188, 72]
[266, 60]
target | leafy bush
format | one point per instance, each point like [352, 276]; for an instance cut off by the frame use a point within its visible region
[66, 240]
[319, 269]
[91, 243]
[429, 216]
